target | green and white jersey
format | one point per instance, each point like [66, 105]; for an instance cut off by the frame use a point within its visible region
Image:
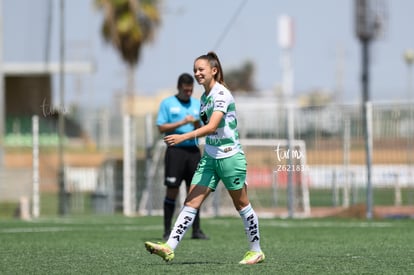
[225, 141]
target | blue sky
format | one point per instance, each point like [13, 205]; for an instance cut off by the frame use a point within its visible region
[190, 28]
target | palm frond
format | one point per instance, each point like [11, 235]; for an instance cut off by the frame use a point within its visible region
[128, 24]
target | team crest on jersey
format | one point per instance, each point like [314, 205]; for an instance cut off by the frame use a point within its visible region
[221, 93]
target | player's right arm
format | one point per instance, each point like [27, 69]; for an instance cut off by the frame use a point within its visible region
[165, 123]
[170, 127]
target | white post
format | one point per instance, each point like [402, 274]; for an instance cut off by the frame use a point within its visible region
[409, 60]
[149, 143]
[126, 167]
[397, 191]
[368, 106]
[274, 188]
[2, 91]
[35, 199]
[304, 180]
[347, 146]
[286, 35]
[133, 167]
[24, 208]
[104, 130]
[290, 138]
[335, 191]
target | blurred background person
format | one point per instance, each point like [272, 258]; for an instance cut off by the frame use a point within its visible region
[179, 114]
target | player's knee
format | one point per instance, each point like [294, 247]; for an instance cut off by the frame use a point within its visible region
[192, 203]
[240, 204]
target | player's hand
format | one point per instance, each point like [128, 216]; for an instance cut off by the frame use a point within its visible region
[189, 119]
[172, 140]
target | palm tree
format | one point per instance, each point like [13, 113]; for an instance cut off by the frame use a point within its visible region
[128, 25]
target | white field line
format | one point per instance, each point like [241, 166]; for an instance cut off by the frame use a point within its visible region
[34, 229]
[327, 224]
[68, 229]
[312, 224]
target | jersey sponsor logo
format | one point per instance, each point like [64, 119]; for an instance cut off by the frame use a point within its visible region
[220, 103]
[227, 149]
[213, 139]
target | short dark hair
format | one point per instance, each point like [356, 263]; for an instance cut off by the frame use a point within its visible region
[185, 78]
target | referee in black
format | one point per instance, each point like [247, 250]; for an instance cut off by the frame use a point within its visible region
[179, 114]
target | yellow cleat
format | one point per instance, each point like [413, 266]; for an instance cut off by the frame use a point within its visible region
[160, 249]
[252, 257]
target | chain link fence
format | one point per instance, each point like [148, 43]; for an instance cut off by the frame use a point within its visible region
[332, 134]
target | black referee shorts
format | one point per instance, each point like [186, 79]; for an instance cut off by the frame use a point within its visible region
[180, 164]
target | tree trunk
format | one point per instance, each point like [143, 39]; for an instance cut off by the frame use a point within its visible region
[131, 80]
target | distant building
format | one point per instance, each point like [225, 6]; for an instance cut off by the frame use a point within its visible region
[27, 91]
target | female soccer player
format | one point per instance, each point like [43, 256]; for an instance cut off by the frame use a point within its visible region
[223, 159]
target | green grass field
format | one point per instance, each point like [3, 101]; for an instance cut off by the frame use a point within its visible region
[115, 245]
